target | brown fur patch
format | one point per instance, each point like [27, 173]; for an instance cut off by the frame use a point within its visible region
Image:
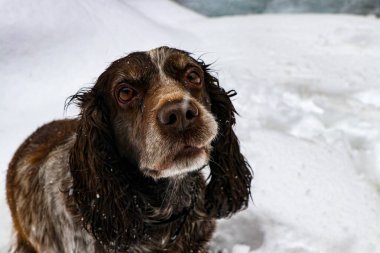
[32, 153]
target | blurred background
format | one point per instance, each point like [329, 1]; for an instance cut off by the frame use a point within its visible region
[240, 7]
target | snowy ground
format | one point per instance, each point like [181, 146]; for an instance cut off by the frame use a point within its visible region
[308, 95]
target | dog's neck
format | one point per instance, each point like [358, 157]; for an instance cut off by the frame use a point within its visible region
[166, 196]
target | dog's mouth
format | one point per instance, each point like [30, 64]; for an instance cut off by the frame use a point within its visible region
[184, 158]
[188, 158]
[189, 152]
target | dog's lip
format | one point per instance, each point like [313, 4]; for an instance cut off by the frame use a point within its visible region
[189, 151]
[186, 152]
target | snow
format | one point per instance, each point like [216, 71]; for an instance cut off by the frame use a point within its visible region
[308, 97]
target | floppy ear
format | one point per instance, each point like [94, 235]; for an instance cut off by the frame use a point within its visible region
[101, 193]
[230, 186]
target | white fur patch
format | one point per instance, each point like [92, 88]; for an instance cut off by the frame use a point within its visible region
[178, 169]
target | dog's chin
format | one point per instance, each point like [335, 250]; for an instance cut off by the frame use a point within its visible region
[187, 160]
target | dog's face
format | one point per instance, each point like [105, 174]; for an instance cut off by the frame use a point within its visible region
[161, 111]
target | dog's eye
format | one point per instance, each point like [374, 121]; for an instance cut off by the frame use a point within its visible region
[193, 77]
[126, 94]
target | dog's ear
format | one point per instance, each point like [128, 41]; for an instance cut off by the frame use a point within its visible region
[100, 191]
[230, 186]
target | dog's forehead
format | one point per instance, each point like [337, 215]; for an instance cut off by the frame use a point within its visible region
[151, 68]
[165, 55]
[134, 66]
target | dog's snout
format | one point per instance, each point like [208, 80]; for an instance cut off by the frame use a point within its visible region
[179, 115]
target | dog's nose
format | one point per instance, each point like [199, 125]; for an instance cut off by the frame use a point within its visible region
[179, 115]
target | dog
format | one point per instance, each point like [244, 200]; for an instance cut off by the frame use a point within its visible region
[126, 174]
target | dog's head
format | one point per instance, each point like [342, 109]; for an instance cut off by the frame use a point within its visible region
[162, 112]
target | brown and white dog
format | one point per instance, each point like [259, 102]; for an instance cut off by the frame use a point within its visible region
[125, 175]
